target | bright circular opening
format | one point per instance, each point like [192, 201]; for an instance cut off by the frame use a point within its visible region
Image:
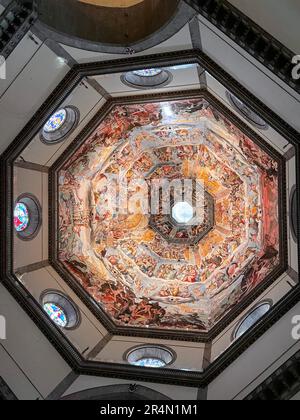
[147, 72]
[21, 217]
[150, 362]
[182, 212]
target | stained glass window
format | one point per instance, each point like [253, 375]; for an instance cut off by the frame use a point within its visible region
[21, 217]
[56, 314]
[150, 362]
[56, 121]
[252, 319]
[147, 72]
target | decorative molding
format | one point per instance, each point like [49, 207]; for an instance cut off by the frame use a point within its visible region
[249, 36]
[25, 15]
[32, 307]
[282, 385]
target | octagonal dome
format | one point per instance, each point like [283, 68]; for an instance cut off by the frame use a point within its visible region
[108, 236]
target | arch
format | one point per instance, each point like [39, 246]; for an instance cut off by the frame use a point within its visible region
[171, 25]
[123, 392]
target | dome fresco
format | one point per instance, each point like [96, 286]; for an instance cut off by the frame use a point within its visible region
[142, 267]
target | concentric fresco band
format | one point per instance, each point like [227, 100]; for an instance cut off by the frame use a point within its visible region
[128, 267]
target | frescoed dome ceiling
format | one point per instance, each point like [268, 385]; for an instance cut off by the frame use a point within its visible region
[181, 266]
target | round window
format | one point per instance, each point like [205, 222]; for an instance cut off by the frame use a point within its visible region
[60, 125]
[60, 309]
[21, 217]
[27, 217]
[147, 78]
[150, 356]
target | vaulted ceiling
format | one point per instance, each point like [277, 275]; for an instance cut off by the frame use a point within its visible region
[129, 282]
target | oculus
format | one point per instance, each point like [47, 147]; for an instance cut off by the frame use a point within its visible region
[150, 356]
[60, 309]
[182, 212]
[60, 125]
[27, 217]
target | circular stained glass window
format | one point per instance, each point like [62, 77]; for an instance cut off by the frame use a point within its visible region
[150, 356]
[252, 318]
[60, 309]
[148, 72]
[56, 121]
[27, 217]
[21, 217]
[56, 314]
[60, 125]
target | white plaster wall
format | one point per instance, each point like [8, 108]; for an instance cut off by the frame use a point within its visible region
[258, 362]
[28, 363]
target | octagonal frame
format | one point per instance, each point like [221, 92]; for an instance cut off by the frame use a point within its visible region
[97, 311]
[183, 226]
[33, 309]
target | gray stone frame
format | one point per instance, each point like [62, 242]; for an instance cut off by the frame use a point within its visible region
[62, 133]
[64, 302]
[151, 350]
